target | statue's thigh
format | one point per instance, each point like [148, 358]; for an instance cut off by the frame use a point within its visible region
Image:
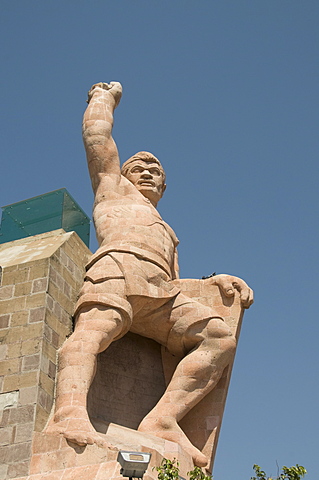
[101, 301]
[192, 322]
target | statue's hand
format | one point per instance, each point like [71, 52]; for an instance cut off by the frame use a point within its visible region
[229, 284]
[115, 88]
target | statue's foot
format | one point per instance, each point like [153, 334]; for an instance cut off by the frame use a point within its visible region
[167, 428]
[74, 424]
[115, 88]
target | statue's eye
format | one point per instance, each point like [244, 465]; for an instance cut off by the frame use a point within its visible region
[136, 170]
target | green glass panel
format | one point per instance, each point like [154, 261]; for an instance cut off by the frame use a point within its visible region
[44, 213]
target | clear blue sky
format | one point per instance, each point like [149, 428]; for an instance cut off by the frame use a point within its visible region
[225, 93]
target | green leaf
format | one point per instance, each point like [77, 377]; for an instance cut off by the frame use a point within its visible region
[288, 473]
[198, 474]
[168, 470]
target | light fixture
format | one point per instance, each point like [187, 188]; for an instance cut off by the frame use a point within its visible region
[134, 464]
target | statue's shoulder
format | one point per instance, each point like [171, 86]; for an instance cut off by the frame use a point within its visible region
[113, 186]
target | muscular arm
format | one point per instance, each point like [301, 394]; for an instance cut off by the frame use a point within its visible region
[101, 150]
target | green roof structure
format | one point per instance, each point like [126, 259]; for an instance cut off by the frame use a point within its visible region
[44, 213]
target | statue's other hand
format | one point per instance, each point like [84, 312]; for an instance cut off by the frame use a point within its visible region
[115, 88]
[229, 284]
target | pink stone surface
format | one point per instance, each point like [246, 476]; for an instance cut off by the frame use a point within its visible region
[54, 458]
[132, 284]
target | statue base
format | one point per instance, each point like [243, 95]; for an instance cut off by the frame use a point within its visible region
[54, 458]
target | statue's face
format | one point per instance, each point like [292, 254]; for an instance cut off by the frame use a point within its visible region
[148, 179]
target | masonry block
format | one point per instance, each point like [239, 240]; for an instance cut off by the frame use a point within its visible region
[40, 279]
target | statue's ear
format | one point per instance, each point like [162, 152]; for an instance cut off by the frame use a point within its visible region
[163, 188]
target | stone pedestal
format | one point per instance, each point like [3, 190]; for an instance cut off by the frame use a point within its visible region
[56, 459]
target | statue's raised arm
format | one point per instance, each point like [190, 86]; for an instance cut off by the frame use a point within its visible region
[101, 150]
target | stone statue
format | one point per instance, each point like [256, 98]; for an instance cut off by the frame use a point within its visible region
[130, 285]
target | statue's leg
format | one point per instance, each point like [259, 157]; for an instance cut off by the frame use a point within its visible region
[96, 327]
[210, 346]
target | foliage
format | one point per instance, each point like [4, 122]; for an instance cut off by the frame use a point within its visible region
[288, 473]
[169, 470]
[198, 474]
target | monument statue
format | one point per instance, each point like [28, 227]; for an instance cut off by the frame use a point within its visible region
[131, 285]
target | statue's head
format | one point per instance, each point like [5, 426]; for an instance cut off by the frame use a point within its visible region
[145, 171]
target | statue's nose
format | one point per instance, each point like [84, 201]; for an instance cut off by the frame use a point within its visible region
[146, 173]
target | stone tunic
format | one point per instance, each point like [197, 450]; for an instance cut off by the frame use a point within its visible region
[126, 221]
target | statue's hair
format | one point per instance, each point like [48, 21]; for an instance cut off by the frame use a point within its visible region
[144, 157]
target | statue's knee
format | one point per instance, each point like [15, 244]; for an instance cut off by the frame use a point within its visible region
[69, 346]
[228, 344]
[98, 318]
[94, 331]
[212, 334]
[82, 347]
[217, 329]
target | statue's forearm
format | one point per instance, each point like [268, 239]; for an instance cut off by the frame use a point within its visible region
[98, 119]
[101, 150]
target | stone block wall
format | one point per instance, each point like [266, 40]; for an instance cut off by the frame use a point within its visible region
[40, 280]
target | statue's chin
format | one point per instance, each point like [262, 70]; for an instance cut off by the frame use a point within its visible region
[153, 197]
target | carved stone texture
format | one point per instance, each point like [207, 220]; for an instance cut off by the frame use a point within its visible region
[132, 284]
[56, 459]
[133, 372]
